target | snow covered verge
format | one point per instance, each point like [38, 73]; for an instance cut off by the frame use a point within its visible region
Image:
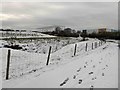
[41, 45]
[97, 68]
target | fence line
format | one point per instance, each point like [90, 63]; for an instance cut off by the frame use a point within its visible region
[75, 49]
[94, 45]
[86, 47]
[48, 55]
[8, 65]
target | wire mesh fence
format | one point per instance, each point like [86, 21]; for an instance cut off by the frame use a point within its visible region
[22, 63]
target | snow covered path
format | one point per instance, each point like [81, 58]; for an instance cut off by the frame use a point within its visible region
[97, 68]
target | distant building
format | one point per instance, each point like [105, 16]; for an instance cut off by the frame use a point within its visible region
[112, 30]
[102, 30]
[90, 31]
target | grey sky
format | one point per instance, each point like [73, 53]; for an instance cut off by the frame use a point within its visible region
[76, 15]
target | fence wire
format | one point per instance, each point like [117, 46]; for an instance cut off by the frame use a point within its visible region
[22, 63]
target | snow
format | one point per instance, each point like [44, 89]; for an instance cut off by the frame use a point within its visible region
[42, 45]
[97, 67]
[23, 35]
[0, 70]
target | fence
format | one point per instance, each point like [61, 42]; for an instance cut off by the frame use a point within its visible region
[20, 64]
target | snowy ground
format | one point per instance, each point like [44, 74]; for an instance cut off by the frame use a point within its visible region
[23, 35]
[42, 45]
[97, 68]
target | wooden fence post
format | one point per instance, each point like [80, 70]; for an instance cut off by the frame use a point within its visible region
[92, 45]
[75, 49]
[95, 44]
[86, 47]
[101, 42]
[105, 41]
[91, 88]
[8, 65]
[48, 56]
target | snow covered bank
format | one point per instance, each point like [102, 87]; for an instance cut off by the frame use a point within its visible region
[22, 63]
[100, 71]
[92, 68]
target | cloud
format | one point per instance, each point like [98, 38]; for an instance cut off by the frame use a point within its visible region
[79, 15]
[12, 16]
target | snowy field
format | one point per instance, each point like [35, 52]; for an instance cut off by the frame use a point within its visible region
[4, 34]
[97, 68]
[41, 45]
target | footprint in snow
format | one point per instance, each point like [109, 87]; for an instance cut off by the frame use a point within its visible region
[64, 82]
[103, 69]
[78, 69]
[74, 76]
[90, 73]
[94, 78]
[106, 65]
[91, 87]
[86, 63]
[103, 74]
[93, 66]
[84, 66]
[80, 81]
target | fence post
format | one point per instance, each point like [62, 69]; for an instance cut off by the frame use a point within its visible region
[96, 44]
[101, 42]
[8, 64]
[105, 41]
[91, 88]
[92, 45]
[75, 49]
[86, 47]
[48, 56]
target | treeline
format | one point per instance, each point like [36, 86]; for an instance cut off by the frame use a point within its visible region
[67, 32]
[62, 34]
[105, 35]
[12, 30]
